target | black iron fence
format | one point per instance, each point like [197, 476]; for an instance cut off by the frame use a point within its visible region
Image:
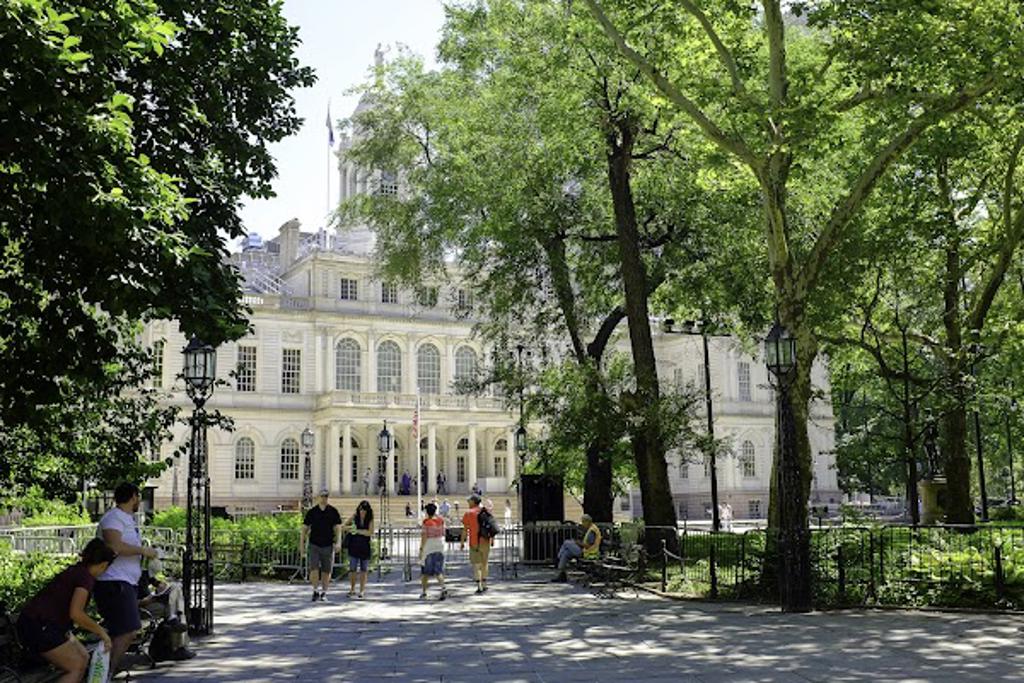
[966, 566]
[970, 566]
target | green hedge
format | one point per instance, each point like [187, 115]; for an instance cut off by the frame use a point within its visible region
[22, 576]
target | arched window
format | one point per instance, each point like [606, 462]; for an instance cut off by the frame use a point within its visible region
[245, 459]
[389, 367]
[463, 444]
[428, 369]
[347, 365]
[748, 463]
[290, 459]
[465, 366]
[501, 445]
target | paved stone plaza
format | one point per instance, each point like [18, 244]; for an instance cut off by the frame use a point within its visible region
[530, 630]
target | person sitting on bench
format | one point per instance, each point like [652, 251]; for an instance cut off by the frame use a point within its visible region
[571, 548]
[45, 621]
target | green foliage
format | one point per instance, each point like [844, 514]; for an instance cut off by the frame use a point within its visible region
[22, 576]
[128, 134]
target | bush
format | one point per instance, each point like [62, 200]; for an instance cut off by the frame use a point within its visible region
[22, 576]
[1007, 513]
[42, 511]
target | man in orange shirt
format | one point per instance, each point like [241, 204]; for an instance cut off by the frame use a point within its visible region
[479, 548]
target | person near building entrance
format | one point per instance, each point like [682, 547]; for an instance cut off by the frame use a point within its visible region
[403, 490]
[442, 483]
[321, 528]
[479, 548]
[432, 551]
[366, 482]
[360, 530]
[45, 621]
[589, 547]
[116, 590]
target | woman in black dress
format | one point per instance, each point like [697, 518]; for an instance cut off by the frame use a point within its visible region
[360, 530]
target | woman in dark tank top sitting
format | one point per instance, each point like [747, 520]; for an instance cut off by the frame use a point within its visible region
[45, 620]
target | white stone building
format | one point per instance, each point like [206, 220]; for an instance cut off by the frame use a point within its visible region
[336, 349]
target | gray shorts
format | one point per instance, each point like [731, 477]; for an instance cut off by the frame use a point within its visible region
[321, 557]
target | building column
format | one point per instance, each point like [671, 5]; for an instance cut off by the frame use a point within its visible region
[346, 459]
[432, 459]
[333, 466]
[471, 474]
[511, 459]
[389, 474]
[369, 383]
[409, 378]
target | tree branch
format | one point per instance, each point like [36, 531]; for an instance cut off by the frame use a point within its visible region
[735, 146]
[1014, 231]
[724, 55]
[865, 183]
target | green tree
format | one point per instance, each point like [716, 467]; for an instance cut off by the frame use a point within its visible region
[525, 100]
[128, 135]
[817, 114]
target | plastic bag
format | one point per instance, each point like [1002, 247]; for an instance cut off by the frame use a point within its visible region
[99, 665]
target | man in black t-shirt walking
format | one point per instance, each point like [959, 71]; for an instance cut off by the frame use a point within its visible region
[321, 527]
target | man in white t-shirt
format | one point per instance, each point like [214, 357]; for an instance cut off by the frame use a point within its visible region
[116, 590]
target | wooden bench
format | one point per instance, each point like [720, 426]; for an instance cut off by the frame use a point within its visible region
[16, 665]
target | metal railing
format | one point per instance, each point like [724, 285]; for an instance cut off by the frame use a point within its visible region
[851, 565]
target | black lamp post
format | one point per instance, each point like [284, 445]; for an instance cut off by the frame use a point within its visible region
[521, 443]
[794, 552]
[307, 468]
[384, 443]
[1009, 450]
[692, 328]
[197, 564]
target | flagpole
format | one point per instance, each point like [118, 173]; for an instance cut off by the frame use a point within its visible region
[330, 148]
[419, 462]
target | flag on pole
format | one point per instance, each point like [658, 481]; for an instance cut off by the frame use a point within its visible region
[416, 421]
[330, 126]
[420, 484]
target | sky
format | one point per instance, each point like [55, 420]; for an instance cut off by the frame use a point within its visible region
[338, 40]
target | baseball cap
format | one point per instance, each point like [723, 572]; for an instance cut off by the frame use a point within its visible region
[473, 498]
[324, 492]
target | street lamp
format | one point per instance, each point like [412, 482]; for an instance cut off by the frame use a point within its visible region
[794, 556]
[384, 444]
[200, 373]
[692, 328]
[307, 468]
[521, 430]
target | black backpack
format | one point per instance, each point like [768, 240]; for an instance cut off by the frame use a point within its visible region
[488, 526]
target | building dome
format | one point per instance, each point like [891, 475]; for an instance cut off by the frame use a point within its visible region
[252, 242]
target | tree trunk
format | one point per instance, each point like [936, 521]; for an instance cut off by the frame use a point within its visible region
[648, 446]
[597, 489]
[959, 506]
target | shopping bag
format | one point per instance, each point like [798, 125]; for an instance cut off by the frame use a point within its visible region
[99, 665]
